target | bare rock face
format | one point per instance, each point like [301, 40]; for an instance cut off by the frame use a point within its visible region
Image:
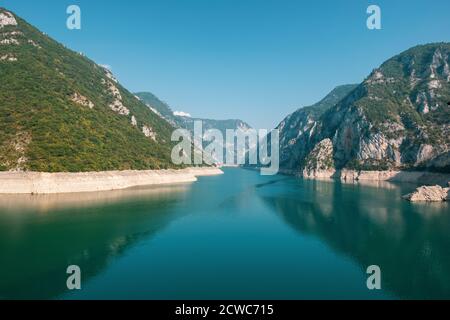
[149, 133]
[9, 41]
[82, 100]
[300, 131]
[320, 160]
[7, 19]
[425, 153]
[117, 105]
[448, 193]
[8, 57]
[429, 194]
[133, 121]
[397, 119]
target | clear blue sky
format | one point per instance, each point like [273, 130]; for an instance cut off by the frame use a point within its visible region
[254, 60]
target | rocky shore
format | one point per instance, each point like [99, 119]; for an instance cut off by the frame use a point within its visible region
[433, 189]
[52, 183]
[429, 194]
[417, 177]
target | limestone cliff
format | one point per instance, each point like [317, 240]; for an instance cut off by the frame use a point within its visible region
[396, 119]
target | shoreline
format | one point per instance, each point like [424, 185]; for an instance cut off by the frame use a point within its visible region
[58, 183]
[416, 177]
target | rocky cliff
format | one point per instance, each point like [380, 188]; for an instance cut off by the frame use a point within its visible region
[397, 119]
[297, 130]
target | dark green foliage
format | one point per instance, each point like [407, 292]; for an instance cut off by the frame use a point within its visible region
[373, 165]
[331, 99]
[35, 99]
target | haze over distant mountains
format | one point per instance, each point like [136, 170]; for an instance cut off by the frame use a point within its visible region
[177, 119]
[184, 120]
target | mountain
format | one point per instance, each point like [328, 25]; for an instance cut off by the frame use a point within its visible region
[165, 112]
[294, 128]
[398, 118]
[159, 107]
[60, 111]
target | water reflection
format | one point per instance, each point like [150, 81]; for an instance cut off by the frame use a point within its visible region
[44, 203]
[41, 235]
[225, 240]
[410, 242]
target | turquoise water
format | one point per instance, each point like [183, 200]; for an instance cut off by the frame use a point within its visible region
[236, 236]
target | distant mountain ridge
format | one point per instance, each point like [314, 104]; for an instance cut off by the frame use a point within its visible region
[158, 106]
[164, 111]
[397, 119]
[60, 111]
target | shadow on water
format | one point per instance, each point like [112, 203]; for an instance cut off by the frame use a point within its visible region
[236, 199]
[372, 225]
[40, 236]
[268, 183]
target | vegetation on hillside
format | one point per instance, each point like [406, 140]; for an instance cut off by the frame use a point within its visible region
[43, 129]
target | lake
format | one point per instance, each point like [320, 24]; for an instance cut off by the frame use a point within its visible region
[235, 236]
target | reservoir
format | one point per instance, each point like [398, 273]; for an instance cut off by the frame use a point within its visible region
[235, 236]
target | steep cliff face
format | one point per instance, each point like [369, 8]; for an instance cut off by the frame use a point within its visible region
[320, 161]
[398, 118]
[298, 130]
[163, 110]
